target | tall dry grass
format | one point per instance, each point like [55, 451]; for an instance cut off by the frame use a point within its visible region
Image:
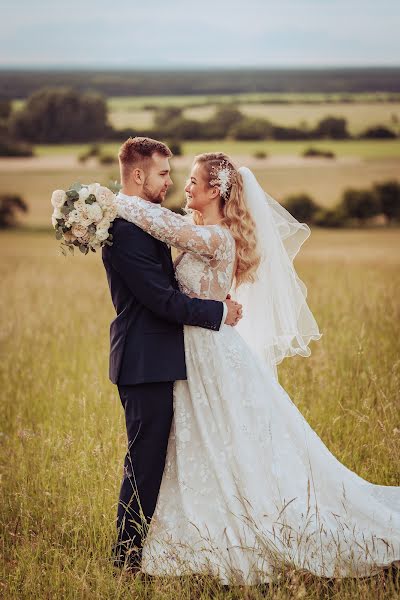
[62, 431]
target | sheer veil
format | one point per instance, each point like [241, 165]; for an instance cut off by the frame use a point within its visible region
[277, 321]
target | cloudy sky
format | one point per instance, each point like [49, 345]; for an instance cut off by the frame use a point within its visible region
[172, 33]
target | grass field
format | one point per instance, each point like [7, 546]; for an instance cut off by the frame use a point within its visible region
[284, 172]
[62, 431]
[365, 149]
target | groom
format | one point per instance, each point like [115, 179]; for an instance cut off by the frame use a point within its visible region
[147, 346]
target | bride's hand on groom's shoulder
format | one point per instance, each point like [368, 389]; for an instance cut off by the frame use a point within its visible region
[234, 311]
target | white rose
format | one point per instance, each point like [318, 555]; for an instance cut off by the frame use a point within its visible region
[83, 194]
[57, 214]
[53, 220]
[84, 217]
[102, 234]
[79, 204]
[73, 217]
[105, 197]
[94, 188]
[58, 198]
[95, 212]
[111, 212]
[103, 224]
[79, 231]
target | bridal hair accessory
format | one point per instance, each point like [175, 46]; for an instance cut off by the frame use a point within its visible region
[277, 322]
[223, 176]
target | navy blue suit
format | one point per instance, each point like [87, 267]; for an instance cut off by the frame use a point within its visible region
[146, 357]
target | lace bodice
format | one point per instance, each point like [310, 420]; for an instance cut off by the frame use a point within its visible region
[205, 269]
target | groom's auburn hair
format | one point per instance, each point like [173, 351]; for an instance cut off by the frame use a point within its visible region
[136, 151]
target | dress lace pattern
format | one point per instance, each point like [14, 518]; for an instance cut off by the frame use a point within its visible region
[248, 484]
[210, 249]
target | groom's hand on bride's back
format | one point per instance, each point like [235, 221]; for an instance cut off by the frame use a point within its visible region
[234, 311]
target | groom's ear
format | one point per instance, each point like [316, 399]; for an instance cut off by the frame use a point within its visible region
[138, 176]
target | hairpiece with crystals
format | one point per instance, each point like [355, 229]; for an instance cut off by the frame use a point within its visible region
[223, 177]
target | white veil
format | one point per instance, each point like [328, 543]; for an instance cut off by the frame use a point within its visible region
[277, 321]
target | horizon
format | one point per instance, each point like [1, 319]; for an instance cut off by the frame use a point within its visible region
[189, 68]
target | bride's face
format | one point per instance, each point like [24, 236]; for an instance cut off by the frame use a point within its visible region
[198, 192]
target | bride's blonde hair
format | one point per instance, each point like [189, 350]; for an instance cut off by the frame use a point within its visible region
[235, 213]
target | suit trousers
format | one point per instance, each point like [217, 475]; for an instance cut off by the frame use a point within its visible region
[148, 416]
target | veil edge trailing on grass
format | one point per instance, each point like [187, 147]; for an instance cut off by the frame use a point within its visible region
[277, 321]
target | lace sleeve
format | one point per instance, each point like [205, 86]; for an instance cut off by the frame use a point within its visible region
[172, 228]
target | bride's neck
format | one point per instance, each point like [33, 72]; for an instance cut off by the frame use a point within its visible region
[211, 215]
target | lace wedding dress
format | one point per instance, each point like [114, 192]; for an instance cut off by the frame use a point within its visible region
[248, 485]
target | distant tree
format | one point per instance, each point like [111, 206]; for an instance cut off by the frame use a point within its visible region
[181, 129]
[332, 128]
[56, 115]
[290, 133]
[228, 115]
[9, 206]
[92, 152]
[388, 194]
[164, 114]
[5, 109]
[105, 158]
[10, 148]
[175, 147]
[260, 154]
[221, 124]
[379, 132]
[251, 128]
[326, 217]
[302, 207]
[360, 204]
[316, 152]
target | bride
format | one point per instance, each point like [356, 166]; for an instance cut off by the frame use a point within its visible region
[248, 485]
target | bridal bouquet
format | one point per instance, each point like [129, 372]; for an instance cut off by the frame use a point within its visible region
[82, 217]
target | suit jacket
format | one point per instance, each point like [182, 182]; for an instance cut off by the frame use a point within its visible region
[146, 337]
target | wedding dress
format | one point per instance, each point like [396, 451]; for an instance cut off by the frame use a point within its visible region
[248, 485]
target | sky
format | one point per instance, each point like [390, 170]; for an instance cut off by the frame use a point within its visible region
[206, 33]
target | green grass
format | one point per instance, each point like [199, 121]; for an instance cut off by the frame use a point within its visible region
[137, 102]
[283, 173]
[366, 149]
[357, 148]
[62, 429]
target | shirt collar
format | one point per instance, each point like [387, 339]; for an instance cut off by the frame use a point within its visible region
[124, 196]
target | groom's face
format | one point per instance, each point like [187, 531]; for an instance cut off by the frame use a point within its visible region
[157, 178]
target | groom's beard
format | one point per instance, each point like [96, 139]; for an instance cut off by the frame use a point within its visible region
[154, 197]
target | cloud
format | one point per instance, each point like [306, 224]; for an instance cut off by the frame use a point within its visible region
[210, 32]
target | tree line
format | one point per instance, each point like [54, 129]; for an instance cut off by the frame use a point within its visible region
[63, 115]
[357, 207]
[22, 83]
